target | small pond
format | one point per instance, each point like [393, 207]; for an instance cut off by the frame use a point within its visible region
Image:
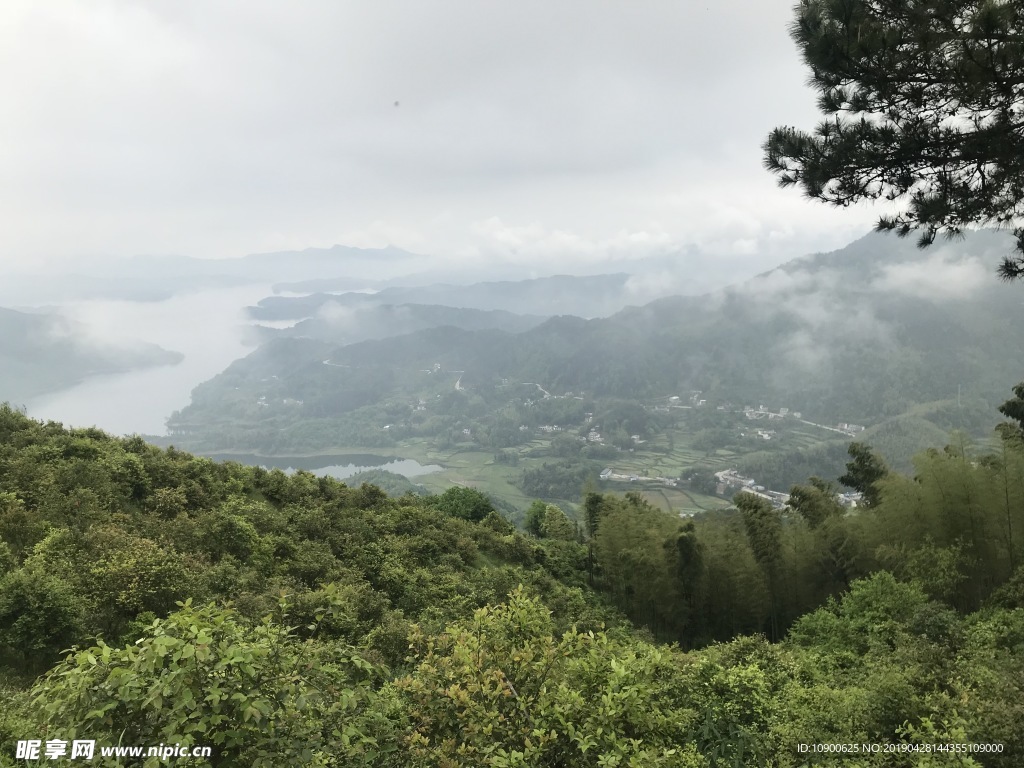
[338, 466]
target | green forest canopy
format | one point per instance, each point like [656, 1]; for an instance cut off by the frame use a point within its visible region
[292, 620]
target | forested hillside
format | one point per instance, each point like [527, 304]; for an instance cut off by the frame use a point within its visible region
[340, 324]
[293, 620]
[584, 295]
[874, 333]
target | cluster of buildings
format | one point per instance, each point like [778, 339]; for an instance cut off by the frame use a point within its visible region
[608, 474]
[593, 436]
[761, 413]
[731, 480]
[262, 401]
[851, 430]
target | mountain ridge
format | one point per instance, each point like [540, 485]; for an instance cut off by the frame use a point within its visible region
[804, 333]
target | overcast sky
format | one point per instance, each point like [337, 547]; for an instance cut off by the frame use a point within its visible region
[549, 134]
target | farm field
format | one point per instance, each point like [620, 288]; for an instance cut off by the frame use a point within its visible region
[644, 469]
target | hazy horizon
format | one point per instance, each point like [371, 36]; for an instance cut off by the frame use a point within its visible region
[525, 138]
[497, 143]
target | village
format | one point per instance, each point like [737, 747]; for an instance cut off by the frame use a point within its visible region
[760, 422]
[729, 482]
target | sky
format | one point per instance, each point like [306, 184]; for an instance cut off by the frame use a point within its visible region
[546, 136]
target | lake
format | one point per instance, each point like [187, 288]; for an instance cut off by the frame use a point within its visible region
[209, 327]
[338, 466]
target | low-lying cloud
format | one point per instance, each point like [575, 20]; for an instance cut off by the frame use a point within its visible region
[940, 277]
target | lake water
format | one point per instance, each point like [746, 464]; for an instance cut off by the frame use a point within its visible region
[338, 466]
[209, 327]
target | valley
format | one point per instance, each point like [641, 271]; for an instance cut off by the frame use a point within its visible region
[772, 378]
[534, 385]
[538, 445]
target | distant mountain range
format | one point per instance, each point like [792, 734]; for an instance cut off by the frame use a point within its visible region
[862, 334]
[344, 268]
[348, 324]
[154, 278]
[45, 352]
[584, 296]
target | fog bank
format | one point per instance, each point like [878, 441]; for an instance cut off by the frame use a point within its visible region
[207, 327]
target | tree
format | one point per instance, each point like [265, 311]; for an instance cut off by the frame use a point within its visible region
[633, 563]
[592, 509]
[687, 551]
[203, 676]
[504, 689]
[534, 523]
[467, 503]
[113, 574]
[1014, 409]
[923, 103]
[546, 521]
[815, 502]
[593, 505]
[19, 527]
[39, 616]
[556, 525]
[862, 474]
[764, 532]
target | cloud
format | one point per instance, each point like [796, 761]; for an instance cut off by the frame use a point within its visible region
[781, 287]
[193, 127]
[803, 352]
[822, 312]
[336, 315]
[534, 242]
[942, 276]
[643, 288]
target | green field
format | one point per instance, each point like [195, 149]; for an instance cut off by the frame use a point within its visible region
[666, 455]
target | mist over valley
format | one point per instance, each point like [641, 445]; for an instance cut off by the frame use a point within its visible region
[461, 385]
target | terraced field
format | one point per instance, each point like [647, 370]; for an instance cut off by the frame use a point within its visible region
[664, 457]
